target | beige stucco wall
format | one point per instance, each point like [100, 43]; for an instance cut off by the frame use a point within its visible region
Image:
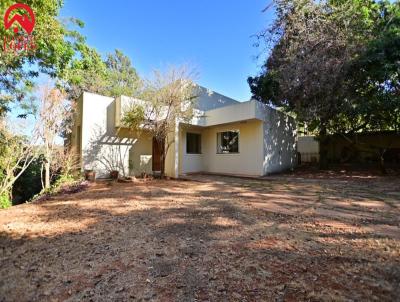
[248, 161]
[279, 140]
[104, 147]
[250, 157]
[140, 155]
[75, 138]
[172, 157]
[190, 163]
[265, 147]
[208, 99]
[230, 114]
[267, 141]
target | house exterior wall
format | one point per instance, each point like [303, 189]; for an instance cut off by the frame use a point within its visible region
[190, 163]
[279, 140]
[267, 140]
[75, 140]
[206, 100]
[140, 155]
[106, 148]
[209, 100]
[267, 143]
[103, 149]
[248, 161]
[172, 157]
[233, 113]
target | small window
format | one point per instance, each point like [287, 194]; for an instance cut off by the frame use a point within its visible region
[228, 142]
[193, 143]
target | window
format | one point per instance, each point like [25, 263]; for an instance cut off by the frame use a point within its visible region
[228, 142]
[193, 143]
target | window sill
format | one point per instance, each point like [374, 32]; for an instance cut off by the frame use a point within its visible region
[228, 153]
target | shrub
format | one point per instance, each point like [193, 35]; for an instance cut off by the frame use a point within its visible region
[63, 180]
[29, 183]
[5, 201]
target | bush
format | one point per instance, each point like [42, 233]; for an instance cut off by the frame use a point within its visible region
[61, 181]
[58, 185]
[63, 184]
[5, 201]
[28, 184]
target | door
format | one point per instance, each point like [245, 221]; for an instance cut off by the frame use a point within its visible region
[158, 149]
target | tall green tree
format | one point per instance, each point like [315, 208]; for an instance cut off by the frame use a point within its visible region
[373, 81]
[122, 76]
[318, 51]
[113, 76]
[55, 45]
[85, 72]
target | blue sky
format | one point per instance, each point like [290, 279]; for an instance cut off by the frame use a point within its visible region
[213, 36]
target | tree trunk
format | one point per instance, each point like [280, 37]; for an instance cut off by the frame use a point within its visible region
[323, 149]
[41, 175]
[382, 161]
[47, 175]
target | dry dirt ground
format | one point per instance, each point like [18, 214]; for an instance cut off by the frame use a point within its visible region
[214, 239]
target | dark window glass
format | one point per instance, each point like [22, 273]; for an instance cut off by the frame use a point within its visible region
[228, 142]
[193, 143]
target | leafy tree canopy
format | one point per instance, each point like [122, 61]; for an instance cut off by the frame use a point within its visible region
[373, 81]
[86, 72]
[113, 76]
[55, 47]
[334, 64]
[63, 54]
[122, 77]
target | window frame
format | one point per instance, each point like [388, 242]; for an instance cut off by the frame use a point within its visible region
[219, 147]
[199, 145]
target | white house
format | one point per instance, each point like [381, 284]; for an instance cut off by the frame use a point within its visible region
[227, 137]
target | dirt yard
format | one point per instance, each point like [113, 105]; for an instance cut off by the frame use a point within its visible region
[215, 239]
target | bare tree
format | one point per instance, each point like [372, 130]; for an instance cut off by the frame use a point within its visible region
[54, 111]
[167, 100]
[65, 163]
[16, 154]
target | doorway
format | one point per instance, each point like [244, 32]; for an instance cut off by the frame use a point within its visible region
[158, 150]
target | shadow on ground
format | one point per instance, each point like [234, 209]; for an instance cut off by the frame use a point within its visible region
[216, 238]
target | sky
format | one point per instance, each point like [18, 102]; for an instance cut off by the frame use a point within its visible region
[215, 37]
